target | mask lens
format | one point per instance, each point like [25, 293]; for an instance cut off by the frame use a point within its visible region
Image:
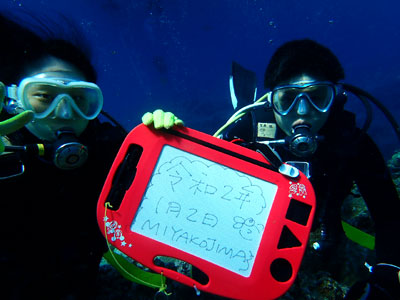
[38, 97]
[86, 99]
[320, 96]
[283, 99]
[42, 97]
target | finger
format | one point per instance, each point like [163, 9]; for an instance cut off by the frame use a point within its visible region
[2, 91]
[16, 122]
[178, 122]
[169, 120]
[2, 94]
[147, 118]
[158, 116]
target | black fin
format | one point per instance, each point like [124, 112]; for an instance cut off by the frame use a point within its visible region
[244, 85]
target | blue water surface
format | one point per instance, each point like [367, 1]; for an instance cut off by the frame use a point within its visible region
[177, 54]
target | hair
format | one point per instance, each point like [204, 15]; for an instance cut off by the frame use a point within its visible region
[19, 47]
[24, 46]
[302, 57]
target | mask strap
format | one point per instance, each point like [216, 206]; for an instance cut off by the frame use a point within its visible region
[11, 92]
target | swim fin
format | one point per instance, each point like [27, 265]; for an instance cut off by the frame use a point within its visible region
[242, 85]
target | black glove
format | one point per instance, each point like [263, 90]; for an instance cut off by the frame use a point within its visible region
[384, 284]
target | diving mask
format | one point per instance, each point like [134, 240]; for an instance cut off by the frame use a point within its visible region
[319, 94]
[44, 95]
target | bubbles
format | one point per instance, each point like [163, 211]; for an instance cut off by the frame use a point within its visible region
[272, 24]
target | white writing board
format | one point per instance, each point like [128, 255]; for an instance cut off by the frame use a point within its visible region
[206, 209]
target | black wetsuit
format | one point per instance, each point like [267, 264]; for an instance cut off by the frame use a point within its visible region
[345, 156]
[51, 243]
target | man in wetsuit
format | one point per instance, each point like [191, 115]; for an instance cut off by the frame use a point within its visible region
[307, 113]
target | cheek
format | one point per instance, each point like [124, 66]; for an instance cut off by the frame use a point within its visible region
[284, 123]
[318, 120]
[80, 125]
[38, 106]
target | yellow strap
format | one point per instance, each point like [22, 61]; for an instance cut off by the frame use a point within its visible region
[134, 273]
[360, 237]
[40, 149]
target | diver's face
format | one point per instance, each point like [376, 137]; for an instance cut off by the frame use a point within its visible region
[63, 117]
[300, 110]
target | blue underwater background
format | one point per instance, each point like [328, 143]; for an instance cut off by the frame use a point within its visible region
[177, 54]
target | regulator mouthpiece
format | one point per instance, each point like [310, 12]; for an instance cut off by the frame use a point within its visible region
[302, 143]
[68, 153]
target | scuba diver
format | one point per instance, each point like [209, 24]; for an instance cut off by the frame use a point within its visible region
[302, 121]
[52, 169]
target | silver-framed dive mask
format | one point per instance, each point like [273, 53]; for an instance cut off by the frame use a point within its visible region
[56, 101]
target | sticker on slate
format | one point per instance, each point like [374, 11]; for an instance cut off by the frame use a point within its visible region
[205, 209]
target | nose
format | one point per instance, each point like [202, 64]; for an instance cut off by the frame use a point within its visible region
[64, 109]
[303, 106]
